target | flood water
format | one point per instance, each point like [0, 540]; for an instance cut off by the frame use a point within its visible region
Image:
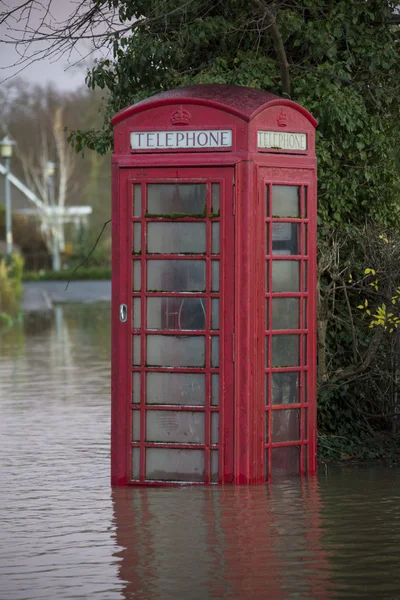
[64, 533]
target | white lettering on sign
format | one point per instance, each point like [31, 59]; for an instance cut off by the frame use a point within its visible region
[282, 140]
[179, 140]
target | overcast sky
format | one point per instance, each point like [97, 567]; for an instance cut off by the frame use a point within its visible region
[63, 72]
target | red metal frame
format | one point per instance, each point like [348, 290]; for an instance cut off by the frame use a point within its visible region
[245, 455]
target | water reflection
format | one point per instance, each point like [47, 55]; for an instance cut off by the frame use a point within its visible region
[221, 542]
[65, 534]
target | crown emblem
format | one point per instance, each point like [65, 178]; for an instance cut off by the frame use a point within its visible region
[181, 117]
[282, 119]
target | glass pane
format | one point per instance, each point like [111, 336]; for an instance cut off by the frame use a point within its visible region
[267, 248]
[215, 275]
[285, 201]
[215, 203]
[266, 390]
[285, 461]
[215, 238]
[136, 426]
[215, 351]
[285, 350]
[135, 463]
[266, 464]
[305, 276]
[136, 320]
[167, 464]
[173, 200]
[305, 395]
[137, 200]
[214, 428]
[305, 432]
[136, 388]
[266, 313]
[285, 276]
[136, 350]
[188, 389]
[266, 419]
[137, 271]
[266, 275]
[175, 426]
[305, 206]
[285, 313]
[305, 361]
[286, 425]
[137, 231]
[304, 313]
[176, 313]
[285, 238]
[214, 313]
[214, 466]
[215, 390]
[285, 388]
[305, 449]
[175, 351]
[176, 275]
[267, 350]
[305, 240]
[176, 238]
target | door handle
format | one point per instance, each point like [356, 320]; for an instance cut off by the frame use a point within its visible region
[123, 313]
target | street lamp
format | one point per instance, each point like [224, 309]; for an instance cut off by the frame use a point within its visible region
[6, 150]
[50, 171]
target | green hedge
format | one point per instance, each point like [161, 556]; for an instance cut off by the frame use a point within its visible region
[69, 274]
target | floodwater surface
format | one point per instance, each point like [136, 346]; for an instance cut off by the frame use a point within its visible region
[64, 533]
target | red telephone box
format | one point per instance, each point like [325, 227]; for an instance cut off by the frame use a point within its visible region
[214, 288]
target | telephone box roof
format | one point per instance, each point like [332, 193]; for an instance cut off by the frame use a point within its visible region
[244, 102]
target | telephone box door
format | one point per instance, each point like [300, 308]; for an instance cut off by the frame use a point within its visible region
[175, 351]
[289, 205]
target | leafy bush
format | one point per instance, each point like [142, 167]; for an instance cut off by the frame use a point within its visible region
[10, 286]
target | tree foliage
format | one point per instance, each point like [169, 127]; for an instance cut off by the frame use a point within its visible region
[342, 59]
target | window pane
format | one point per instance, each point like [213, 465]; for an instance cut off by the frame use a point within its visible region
[285, 425]
[266, 314]
[176, 238]
[214, 313]
[214, 466]
[285, 201]
[285, 238]
[285, 313]
[285, 350]
[173, 200]
[176, 388]
[137, 242]
[285, 276]
[136, 320]
[214, 428]
[305, 432]
[135, 463]
[136, 388]
[136, 350]
[175, 351]
[215, 238]
[285, 461]
[285, 388]
[304, 313]
[215, 351]
[215, 390]
[176, 313]
[136, 426]
[305, 357]
[215, 275]
[167, 464]
[215, 203]
[176, 275]
[175, 426]
[137, 200]
[137, 276]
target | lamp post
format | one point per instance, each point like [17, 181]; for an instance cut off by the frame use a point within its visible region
[50, 170]
[6, 149]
